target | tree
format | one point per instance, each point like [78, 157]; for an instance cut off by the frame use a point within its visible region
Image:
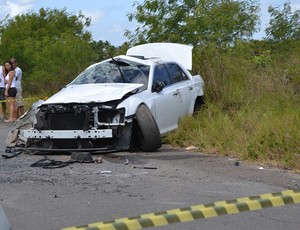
[103, 49]
[196, 22]
[284, 24]
[51, 47]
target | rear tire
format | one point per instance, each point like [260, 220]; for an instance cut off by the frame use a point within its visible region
[198, 104]
[146, 131]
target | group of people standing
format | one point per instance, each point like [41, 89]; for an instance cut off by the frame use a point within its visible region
[11, 90]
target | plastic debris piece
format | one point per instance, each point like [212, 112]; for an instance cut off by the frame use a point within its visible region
[105, 172]
[144, 167]
[192, 147]
[99, 160]
[11, 152]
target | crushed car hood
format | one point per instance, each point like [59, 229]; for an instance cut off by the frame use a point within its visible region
[91, 93]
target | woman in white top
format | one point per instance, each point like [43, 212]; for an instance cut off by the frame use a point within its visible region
[19, 98]
[10, 91]
[2, 91]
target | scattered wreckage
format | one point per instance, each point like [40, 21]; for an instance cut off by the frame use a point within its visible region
[128, 101]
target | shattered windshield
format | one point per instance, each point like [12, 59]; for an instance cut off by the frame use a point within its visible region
[114, 71]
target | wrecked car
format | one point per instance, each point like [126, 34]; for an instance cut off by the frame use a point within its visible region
[127, 101]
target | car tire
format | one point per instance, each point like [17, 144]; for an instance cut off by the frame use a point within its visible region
[146, 130]
[198, 104]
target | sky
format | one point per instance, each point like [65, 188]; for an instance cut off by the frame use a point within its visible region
[109, 17]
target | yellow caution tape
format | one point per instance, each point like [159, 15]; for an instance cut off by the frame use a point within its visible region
[197, 212]
[25, 99]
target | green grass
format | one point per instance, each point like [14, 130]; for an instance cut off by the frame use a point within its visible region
[252, 111]
[265, 134]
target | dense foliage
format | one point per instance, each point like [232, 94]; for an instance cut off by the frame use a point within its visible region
[196, 22]
[51, 47]
[252, 106]
[284, 24]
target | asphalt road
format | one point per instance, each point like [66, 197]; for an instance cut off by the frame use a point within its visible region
[81, 193]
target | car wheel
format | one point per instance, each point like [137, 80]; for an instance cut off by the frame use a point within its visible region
[198, 104]
[146, 130]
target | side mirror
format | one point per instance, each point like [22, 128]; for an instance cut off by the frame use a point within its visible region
[158, 86]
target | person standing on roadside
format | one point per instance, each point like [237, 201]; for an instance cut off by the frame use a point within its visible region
[2, 91]
[19, 98]
[10, 91]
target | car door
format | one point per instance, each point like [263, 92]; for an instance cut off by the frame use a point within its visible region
[184, 86]
[166, 101]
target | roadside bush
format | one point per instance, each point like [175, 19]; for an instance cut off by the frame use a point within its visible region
[252, 111]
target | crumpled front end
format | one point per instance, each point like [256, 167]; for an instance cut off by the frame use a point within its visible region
[80, 127]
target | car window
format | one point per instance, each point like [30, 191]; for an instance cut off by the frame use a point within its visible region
[114, 71]
[176, 73]
[161, 74]
[135, 76]
[144, 68]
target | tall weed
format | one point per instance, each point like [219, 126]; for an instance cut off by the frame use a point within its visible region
[252, 109]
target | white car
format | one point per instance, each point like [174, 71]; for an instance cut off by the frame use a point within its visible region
[124, 102]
